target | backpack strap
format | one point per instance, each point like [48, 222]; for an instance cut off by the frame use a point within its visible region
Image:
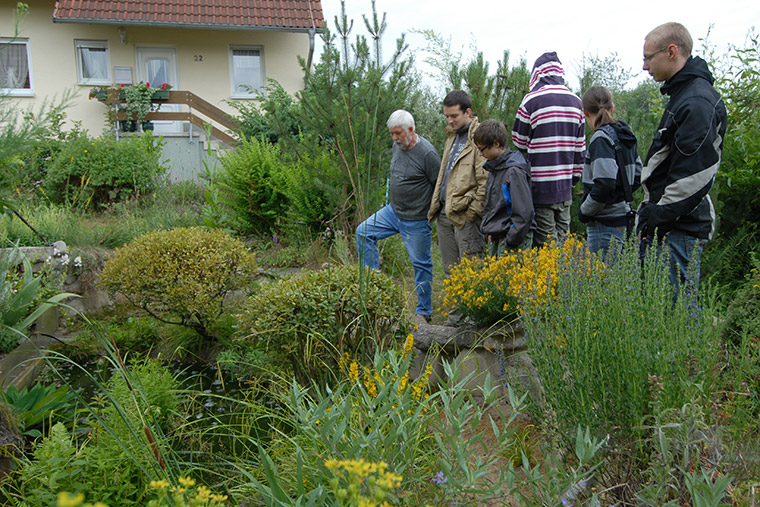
[622, 176]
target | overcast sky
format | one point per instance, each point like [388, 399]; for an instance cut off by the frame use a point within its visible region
[568, 27]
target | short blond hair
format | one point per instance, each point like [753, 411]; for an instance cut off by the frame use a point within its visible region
[671, 33]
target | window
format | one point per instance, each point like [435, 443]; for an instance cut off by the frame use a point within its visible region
[247, 69]
[15, 68]
[92, 62]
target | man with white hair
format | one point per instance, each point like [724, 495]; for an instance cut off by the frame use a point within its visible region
[685, 154]
[413, 173]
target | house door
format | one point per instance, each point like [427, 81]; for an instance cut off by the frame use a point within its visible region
[158, 66]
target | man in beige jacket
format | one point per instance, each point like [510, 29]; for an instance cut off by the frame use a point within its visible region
[460, 191]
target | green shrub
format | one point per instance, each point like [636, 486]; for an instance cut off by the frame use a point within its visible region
[246, 189]
[312, 187]
[743, 313]
[740, 330]
[447, 447]
[99, 171]
[307, 322]
[180, 276]
[116, 463]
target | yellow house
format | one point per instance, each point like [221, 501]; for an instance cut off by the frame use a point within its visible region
[219, 50]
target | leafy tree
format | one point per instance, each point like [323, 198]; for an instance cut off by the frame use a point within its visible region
[274, 118]
[348, 98]
[727, 258]
[495, 95]
[641, 107]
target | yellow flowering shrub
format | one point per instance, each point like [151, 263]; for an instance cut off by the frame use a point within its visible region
[360, 483]
[495, 288]
[374, 380]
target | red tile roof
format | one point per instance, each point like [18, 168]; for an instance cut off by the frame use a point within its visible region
[225, 14]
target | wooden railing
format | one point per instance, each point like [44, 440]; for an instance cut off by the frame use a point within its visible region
[196, 104]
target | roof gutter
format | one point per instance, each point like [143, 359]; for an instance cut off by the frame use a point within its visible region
[204, 26]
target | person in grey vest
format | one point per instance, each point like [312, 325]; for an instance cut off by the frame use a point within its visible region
[413, 172]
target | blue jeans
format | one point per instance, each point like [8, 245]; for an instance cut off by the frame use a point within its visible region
[683, 249]
[416, 235]
[601, 237]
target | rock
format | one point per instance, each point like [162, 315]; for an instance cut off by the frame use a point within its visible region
[447, 338]
[499, 351]
[61, 247]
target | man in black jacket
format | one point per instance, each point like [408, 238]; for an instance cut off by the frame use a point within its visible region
[685, 154]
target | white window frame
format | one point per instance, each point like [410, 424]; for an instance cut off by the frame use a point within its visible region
[20, 92]
[254, 93]
[95, 44]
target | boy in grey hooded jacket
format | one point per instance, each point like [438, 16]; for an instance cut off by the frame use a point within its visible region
[508, 214]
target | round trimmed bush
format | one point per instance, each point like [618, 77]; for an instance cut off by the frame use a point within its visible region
[180, 275]
[306, 323]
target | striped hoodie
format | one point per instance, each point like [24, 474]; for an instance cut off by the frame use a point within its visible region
[549, 127]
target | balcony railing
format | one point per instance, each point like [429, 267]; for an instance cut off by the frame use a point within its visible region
[195, 104]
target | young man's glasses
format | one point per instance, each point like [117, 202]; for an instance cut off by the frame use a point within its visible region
[649, 57]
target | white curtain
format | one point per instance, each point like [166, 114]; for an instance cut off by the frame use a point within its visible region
[158, 71]
[247, 70]
[94, 63]
[14, 66]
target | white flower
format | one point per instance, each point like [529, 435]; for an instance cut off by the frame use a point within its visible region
[65, 259]
[78, 261]
[55, 251]
[48, 260]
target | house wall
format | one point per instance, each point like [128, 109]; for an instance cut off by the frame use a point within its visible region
[53, 62]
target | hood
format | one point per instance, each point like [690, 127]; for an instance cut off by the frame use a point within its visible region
[624, 134]
[505, 161]
[695, 67]
[547, 70]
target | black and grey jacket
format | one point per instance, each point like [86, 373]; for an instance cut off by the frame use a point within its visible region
[604, 199]
[684, 157]
[508, 209]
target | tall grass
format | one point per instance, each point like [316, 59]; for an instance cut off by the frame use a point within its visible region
[611, 348]
[175, 205]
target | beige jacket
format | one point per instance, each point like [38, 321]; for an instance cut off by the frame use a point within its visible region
[466, 190]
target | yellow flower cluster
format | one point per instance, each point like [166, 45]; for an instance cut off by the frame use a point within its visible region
[185, 494]
[66, 499]
[355, 479]
[496, 287]
[408, 344]
[374, 380]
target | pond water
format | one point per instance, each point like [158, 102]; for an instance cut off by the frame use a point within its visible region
[212, 394]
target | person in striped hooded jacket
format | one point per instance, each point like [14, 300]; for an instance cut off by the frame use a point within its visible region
[549, 129]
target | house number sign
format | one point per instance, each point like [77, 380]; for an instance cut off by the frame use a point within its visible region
[198, 58]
